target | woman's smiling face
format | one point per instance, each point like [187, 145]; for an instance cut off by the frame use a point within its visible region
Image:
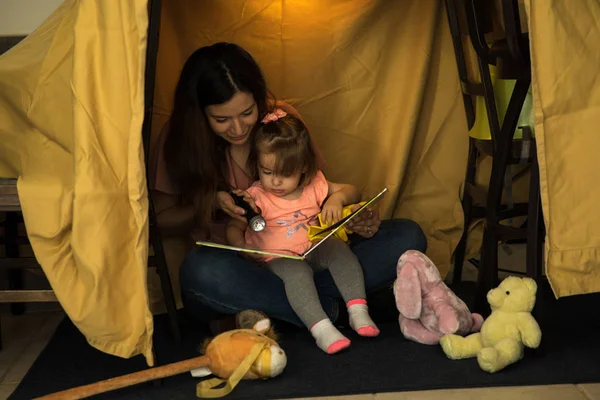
[235, 119]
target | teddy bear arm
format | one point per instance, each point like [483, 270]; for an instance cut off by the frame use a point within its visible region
[531, 334]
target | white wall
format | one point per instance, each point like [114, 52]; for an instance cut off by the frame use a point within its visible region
[21, 17]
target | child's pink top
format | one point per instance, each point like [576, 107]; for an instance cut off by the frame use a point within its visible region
[287, 220]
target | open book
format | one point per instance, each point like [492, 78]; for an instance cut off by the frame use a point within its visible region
[331, 230]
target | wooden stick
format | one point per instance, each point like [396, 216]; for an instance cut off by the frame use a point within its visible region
[129, 379]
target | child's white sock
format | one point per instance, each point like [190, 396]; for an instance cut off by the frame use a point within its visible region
[328, 338]
[360, 321]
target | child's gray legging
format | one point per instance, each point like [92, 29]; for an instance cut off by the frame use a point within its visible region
[300, 289]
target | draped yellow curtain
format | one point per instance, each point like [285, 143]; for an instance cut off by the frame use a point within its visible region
[376, 82]
[71, 111]
[565, 38]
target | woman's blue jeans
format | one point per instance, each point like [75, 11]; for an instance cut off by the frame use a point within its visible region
[217, 282]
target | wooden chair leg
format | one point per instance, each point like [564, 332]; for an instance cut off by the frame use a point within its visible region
[535, 230]
[467, 204]
[154, 13]
[163, 273]
[16, 281]
[461, 248]
[16, 275]
[488, 273]
[488, 267]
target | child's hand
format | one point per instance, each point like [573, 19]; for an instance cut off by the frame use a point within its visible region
[332, 210]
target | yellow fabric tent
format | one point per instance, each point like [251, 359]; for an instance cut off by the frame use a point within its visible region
[376, 81]
[565, 38]
[71, 111]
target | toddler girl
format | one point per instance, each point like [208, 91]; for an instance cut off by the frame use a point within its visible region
[290, 193]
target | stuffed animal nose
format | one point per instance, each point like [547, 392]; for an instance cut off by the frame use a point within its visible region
[278, 360]
[495, 297]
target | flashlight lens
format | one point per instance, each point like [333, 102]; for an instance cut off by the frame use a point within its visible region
[258, 224]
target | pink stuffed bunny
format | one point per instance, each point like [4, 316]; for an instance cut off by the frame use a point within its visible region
[428, 308]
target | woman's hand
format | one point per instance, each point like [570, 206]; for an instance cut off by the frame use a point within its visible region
[332, 210]
[365, 224]
[226, 203]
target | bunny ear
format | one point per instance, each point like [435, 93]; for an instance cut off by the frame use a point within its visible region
[407, 291]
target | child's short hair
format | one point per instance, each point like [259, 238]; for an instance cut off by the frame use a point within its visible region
[289, 140]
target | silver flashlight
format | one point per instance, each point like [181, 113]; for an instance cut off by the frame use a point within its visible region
[256, 221]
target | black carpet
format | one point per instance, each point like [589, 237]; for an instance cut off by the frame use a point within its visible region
[569, 353]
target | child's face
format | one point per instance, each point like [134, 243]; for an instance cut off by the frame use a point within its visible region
[279, 185]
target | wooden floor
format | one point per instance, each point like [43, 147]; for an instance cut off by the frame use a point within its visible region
[25, 336]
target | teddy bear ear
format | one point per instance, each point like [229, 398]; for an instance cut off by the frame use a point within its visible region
[530, 284]
[262, 326]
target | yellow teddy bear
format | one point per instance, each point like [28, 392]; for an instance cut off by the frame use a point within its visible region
[504, 333]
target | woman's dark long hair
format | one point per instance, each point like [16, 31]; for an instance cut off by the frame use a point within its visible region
[195, 156]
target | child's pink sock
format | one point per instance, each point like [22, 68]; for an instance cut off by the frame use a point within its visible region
[328, 338]
[360, 320]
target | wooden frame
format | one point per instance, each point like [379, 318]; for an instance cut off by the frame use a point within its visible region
[513, 56]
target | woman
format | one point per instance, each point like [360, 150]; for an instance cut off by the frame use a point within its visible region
[201, 154]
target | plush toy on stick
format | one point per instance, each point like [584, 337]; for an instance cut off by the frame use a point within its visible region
[231, 356]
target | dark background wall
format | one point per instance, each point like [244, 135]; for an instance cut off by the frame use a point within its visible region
[6, 42]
